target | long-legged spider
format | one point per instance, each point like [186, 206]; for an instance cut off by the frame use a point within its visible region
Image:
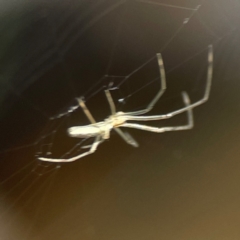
[101, 130]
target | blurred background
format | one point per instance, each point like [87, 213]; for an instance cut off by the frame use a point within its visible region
[177, 185]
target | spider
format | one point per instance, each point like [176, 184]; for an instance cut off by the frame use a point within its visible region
[117, 120]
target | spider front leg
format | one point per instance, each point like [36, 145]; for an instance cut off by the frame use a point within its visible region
[186, 108]
[160, 92]
[189, 125]
[163, 83]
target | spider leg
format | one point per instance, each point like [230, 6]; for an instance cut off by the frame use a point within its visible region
[186, 108]
[126, 137]
[189, 125]
[163, 83]
[85, 110]
[110, 101]
[93, 148]
[90, 145]
[160, 92]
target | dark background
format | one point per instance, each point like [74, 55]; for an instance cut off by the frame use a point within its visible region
[176, 185]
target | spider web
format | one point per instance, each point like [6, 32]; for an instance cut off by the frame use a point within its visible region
[110, 45]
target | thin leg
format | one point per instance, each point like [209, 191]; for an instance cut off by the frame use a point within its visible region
[163, 82]
[126, 137]
[90, 145]
[161, 91]
[165, 129]
[110, 101]
[181, 110]
[86, 111]
[92, 150]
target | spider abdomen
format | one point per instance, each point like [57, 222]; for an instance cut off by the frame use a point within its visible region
[83, 131]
